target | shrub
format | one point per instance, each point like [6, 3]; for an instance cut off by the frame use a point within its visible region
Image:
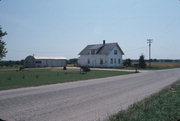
[127, 62]
[142, 63]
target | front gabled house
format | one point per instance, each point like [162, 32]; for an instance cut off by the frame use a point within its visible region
[101, 55]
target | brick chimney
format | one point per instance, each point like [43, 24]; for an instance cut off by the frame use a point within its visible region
[104, 42]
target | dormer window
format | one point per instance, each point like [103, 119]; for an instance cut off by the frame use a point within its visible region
[93, 51]
[115, 52]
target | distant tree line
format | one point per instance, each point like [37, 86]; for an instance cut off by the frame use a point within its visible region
[11, 63]
[165, 60]
[72, 61]
[155, 60]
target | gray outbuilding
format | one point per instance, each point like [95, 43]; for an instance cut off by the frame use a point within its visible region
[36, 62]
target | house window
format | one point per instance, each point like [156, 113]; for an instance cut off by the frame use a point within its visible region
[111, 61]
[38, 61]
[88, 61]
[119, 61]
[93, 52]
[101, 61]
[114, 60]
[115, 52]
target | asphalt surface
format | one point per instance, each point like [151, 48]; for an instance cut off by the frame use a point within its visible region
[88, 100]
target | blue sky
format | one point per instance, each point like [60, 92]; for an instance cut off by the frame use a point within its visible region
[65, 27]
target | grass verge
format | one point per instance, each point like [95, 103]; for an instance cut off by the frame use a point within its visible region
[163, 106]
[10, 79]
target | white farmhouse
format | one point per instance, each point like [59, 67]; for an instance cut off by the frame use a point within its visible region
[35, 62]
[101, 55]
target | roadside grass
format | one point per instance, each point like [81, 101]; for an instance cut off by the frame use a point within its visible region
[10, 79]
[163, 106]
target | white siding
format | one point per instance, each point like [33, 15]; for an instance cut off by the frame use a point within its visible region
[115, 58]
[32, 62]
[50, 63]
[94, 60]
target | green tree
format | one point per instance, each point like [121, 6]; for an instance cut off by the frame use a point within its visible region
[127, 62]
[142, 63]
[3, 50]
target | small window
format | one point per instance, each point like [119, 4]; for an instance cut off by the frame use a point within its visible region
[38, 61]
[115, 52]
[93, 52]
[101, 61]
[88, 61]
[111, 61]
[114, 60]
[119, 61]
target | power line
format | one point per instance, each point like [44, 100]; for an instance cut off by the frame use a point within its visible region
[132, 50]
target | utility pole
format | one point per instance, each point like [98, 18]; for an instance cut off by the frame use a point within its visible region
[149, 41]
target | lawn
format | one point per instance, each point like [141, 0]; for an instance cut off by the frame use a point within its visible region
[163, 106]
[10, 78]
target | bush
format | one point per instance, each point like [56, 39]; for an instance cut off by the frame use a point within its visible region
[142, 63]
[127, 62]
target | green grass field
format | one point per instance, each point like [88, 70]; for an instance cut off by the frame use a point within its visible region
[10, 78]
[163, 106]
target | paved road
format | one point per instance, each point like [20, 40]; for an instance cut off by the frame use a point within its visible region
[89, 100]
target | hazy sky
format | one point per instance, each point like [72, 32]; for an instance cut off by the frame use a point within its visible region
[65, 27]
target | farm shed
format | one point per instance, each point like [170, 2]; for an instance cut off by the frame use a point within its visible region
[35, 62]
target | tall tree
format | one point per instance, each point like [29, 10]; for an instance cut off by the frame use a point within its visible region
[142, 63]
[3, 50]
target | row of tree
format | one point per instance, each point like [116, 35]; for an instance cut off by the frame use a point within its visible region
[11, 63]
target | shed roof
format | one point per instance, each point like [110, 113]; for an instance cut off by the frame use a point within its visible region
[52, 58]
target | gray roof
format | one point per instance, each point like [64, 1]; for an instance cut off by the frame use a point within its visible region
[100, 48]
[50, 58]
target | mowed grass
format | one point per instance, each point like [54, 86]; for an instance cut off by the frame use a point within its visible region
[163, 106]
[10, 79]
